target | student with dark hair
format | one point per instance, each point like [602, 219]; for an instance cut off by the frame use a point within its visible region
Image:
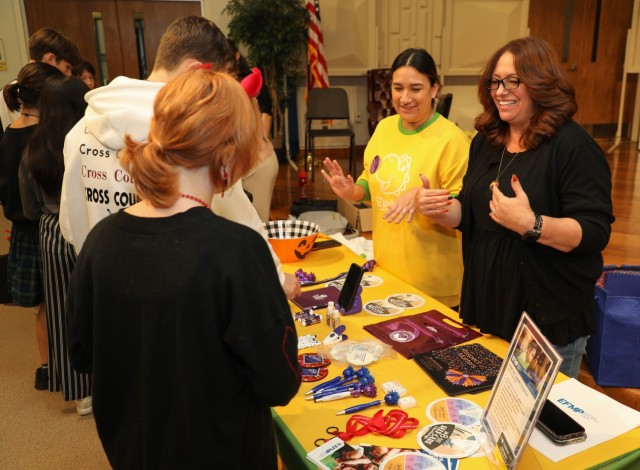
[51, 47]
[62, 104]
[161, 309]
[25, 282]
[405, 151]
[85, 72]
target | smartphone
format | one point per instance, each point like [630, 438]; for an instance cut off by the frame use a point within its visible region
[321, 245]
[350, 287]
[558, 426]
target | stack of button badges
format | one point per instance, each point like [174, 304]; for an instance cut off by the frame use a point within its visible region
[314, 366]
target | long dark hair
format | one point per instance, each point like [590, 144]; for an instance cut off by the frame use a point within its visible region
[554, 100]
[62, 105]
[25, 91]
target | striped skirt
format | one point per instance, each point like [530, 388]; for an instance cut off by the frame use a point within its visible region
[58, 260]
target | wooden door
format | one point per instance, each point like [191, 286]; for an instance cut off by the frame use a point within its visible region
[590, 38]
[74, 18]
[119, 19]
[155, 17]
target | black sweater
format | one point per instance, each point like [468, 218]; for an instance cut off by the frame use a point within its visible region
[566, 176]
[190, 339]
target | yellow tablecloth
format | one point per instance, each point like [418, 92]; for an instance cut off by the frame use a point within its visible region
[301, 422]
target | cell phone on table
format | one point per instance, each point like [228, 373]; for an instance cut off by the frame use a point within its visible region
[558, 426]
[350, 287]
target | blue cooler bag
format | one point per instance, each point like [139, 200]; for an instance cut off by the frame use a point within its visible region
[613, 352]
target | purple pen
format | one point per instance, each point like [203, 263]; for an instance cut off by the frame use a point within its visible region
[355, 409]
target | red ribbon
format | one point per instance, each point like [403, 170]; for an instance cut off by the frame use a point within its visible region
[396, 423]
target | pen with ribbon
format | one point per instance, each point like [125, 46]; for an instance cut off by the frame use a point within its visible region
[369, 391]
[349, 373]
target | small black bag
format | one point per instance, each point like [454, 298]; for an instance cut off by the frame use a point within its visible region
[307, 205]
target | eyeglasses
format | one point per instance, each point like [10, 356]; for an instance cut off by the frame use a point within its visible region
[510, 83]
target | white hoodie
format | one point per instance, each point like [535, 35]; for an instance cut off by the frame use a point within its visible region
[95, 184]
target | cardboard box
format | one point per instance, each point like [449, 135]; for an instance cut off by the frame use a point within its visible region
[359, 214]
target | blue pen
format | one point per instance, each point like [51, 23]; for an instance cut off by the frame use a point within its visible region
[330, 391]
[328, 383]
[355, 409]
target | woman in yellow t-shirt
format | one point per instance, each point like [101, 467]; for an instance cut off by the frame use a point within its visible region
[415, 148]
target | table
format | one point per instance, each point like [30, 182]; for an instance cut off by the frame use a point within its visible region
[301, 422]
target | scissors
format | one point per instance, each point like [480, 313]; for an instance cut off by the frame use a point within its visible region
[332, 431]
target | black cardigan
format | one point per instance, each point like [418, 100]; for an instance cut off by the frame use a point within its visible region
[566, 176]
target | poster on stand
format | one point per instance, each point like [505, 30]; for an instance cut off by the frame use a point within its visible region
[523, 383]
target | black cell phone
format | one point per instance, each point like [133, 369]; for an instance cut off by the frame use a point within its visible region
[350, 287]
[558, 426]
[321, 245]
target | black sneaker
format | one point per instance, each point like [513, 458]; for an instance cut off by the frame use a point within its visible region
[42, 378]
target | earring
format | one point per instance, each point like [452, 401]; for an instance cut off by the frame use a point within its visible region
[225, 178]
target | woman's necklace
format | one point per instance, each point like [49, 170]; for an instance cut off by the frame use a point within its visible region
[193, 198]
[496, 182]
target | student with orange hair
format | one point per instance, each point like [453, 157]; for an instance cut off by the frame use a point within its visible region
[188, 351]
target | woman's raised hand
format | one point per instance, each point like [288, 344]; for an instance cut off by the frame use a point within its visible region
[342, 185]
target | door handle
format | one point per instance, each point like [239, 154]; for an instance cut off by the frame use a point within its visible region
[574, 66]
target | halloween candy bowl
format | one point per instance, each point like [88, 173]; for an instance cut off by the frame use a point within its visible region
[291, 239]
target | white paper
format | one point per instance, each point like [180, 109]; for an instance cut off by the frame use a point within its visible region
[602, 417]
[359, 245]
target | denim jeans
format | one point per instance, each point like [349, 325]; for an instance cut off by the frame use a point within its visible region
[572, 356]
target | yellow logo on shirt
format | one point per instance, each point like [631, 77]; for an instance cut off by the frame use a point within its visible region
[393, 174]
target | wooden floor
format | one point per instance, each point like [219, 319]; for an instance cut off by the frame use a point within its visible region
[623, 248]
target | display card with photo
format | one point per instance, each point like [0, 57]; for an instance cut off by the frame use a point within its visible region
[521, 388]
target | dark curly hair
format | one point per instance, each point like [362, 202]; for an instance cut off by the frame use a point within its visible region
[538, 68]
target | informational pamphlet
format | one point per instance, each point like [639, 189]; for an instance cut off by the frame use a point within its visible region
[522, 386]
[336, 454]
[602, 417]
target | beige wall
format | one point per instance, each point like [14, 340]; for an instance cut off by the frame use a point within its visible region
[366, 34]
[14, 38]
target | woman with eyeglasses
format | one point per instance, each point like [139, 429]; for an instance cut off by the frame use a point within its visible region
[535, 210]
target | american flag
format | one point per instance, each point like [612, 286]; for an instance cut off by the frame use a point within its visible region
[316, 62]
